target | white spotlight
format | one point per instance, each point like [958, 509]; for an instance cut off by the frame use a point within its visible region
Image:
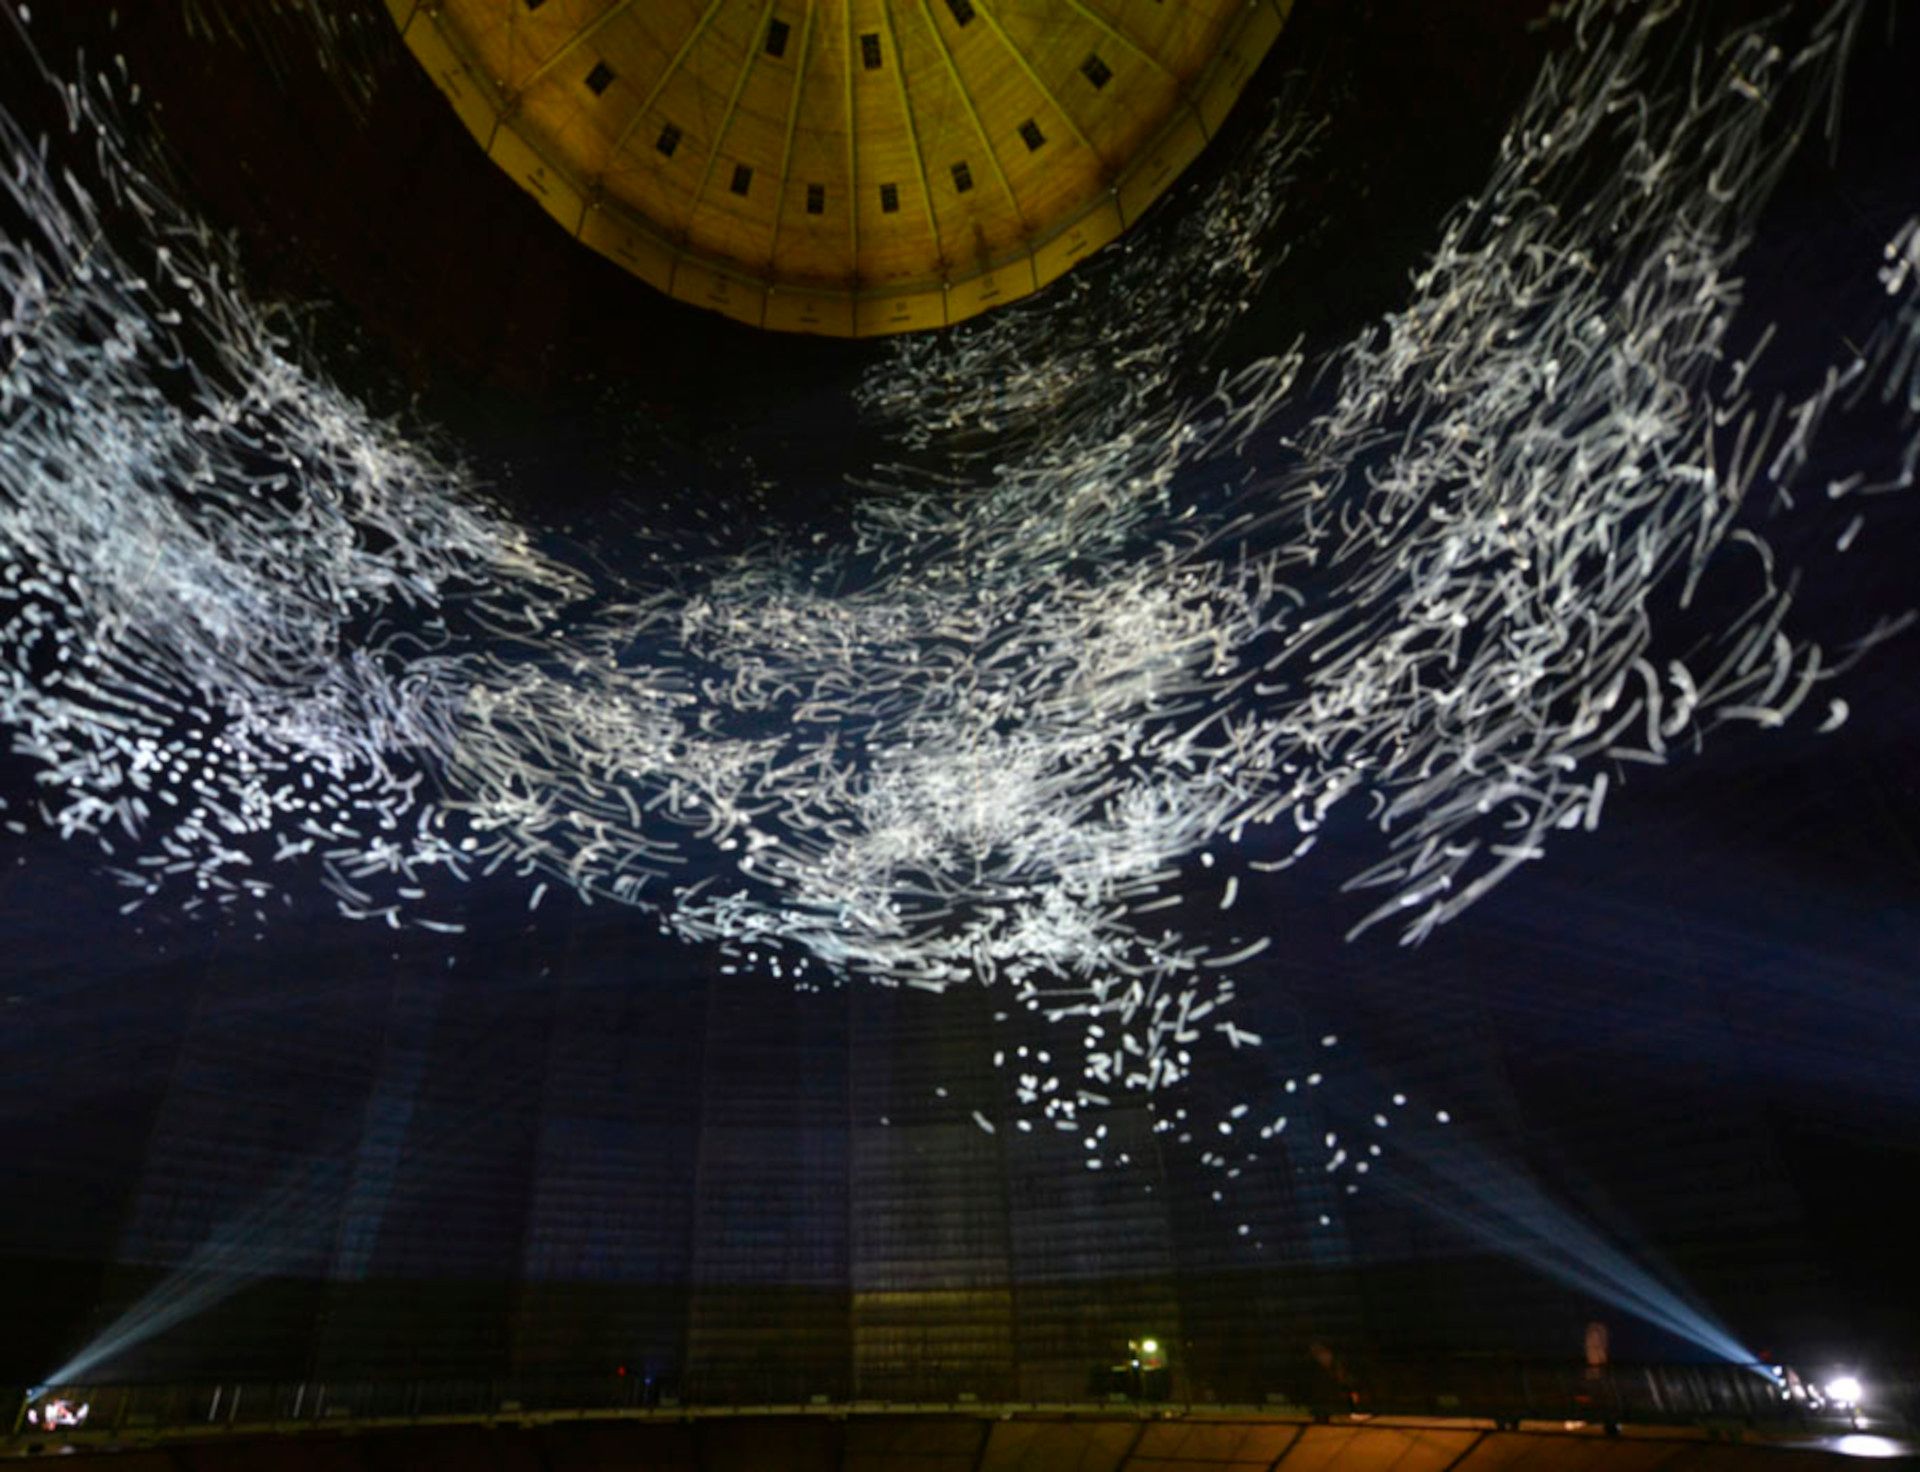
[1844, 1390]
[1859, 1445]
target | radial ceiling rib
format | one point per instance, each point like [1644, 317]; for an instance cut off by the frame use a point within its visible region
[578, 39]
[660, 83]
[985, 11]
[913, 137]
[1120, 38]
[793, 125]
[652, 157]
[966, 101]
[752, 54]
[853, 161]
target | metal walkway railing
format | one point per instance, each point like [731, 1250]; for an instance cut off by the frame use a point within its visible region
[1505, 1393]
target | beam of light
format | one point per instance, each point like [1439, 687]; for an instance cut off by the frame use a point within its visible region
[287, 1226]
[293, 1227]
[1488, 1200]
[254, 636]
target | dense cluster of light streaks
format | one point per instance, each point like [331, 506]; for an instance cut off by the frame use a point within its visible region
[201, 542]
[1561, 436]
[1064, 422]
[1106, 624]
[1516, 469]
[1442, 589]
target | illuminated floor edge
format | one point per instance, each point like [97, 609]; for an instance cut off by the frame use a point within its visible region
[1091, 1437]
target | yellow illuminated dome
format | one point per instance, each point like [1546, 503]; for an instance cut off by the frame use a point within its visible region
[850, 167]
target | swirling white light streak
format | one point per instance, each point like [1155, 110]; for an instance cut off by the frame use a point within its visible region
[1106, 624]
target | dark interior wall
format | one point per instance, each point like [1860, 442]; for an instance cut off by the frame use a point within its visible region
[711, 1180]
[733, 1188]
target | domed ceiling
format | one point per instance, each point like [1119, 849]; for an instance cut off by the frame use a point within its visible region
[847, 167]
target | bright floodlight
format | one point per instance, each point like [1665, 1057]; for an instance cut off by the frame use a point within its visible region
[1858, 1445]
[1844, 1390]
[1149, 1346]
